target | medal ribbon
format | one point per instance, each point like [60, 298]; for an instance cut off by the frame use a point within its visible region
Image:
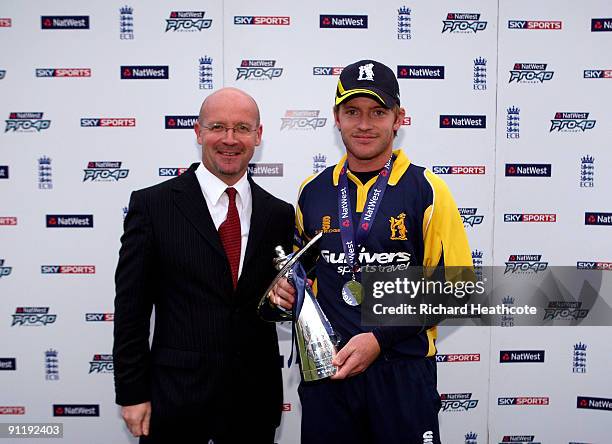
[352, 240]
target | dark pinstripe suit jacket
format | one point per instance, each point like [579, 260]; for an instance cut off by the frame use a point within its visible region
[212, 359]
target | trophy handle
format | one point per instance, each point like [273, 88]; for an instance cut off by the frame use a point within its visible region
[283, 263]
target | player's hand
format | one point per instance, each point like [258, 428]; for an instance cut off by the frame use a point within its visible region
[356, 356]
[282, 294]
[137, 418]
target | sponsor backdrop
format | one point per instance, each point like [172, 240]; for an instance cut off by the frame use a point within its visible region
[504, 100]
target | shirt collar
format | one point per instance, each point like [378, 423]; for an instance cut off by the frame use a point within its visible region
[213, 187]
[400, 165]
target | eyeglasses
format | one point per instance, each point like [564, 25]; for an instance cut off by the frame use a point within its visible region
[241, 129]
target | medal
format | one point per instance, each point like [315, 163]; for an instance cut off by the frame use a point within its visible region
[352, 293]
[354, 237]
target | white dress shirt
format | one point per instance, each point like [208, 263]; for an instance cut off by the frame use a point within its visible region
[217, 202]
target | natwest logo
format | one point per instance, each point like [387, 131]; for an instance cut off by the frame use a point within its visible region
[258, 70]
[6, 22]
[302, 119]
[457, 402]
[462, 121]
[591, 218]
[33, 316]
[8, 220]
[105, 171]
[108, 122]
[462, 22]
[136, 72]
[343, 21]
[69, 220]
[571, 122]
[589, 402]
[520, 439]
[601, 24]
[458, 169]
[523, 400]
[530, 73]
[26, 122]
[548, 25]
[528, 170]
[420, 72]
[8, 364]
[530, 217]
[180, 122]
[63, 72]
[99, 317]
[12, 410]
[266, 169]
[459, 357]
[262, 20]
[64, 22]
[101, 364]
[327, 70]
[508, 356]
[187, 21]
[470, 216]
[68, 269]
[76, 410]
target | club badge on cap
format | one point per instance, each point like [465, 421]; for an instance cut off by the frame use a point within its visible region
[368, 78]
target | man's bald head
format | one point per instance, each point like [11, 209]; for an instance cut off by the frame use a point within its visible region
[225, 95]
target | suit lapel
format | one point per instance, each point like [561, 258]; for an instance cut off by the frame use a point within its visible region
[190, 200]
[259, 221]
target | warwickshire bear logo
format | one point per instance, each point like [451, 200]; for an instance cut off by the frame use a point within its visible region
[398, 227]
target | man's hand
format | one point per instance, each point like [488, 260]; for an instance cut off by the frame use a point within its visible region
[356, 356]
[137, 418]
[282, 294]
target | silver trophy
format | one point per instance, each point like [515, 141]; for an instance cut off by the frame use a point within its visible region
[316, 340]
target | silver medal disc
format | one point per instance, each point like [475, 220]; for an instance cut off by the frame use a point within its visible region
[352, 293]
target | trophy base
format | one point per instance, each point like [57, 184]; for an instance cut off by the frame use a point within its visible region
[319, 373]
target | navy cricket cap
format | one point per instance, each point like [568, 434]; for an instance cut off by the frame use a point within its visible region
[368, 78]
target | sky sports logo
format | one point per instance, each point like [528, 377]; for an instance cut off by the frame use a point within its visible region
[8, 220]
[458, 169]
[597, 74]
[262, 20]
[589, 402]
[63, 72]
[601, 24]
[597, 218]
[108, 122]
[592, 265]
[171, 172]
[69, 220]
[528, 170]
[547, 25]
[462, 121]
[530, 217]
[420, 72]
[12, 410]
[99, 317]
[64, 22]
[138, 72]
[327, 70]
[180, 122]
[459, 357]
[343, 21]
[76, 410]
[509, 356]
[524, 400]
[68, 269]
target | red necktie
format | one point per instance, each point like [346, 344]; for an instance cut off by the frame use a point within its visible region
[229, 232]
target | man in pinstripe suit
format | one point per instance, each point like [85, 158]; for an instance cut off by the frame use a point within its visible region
[199, 249]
